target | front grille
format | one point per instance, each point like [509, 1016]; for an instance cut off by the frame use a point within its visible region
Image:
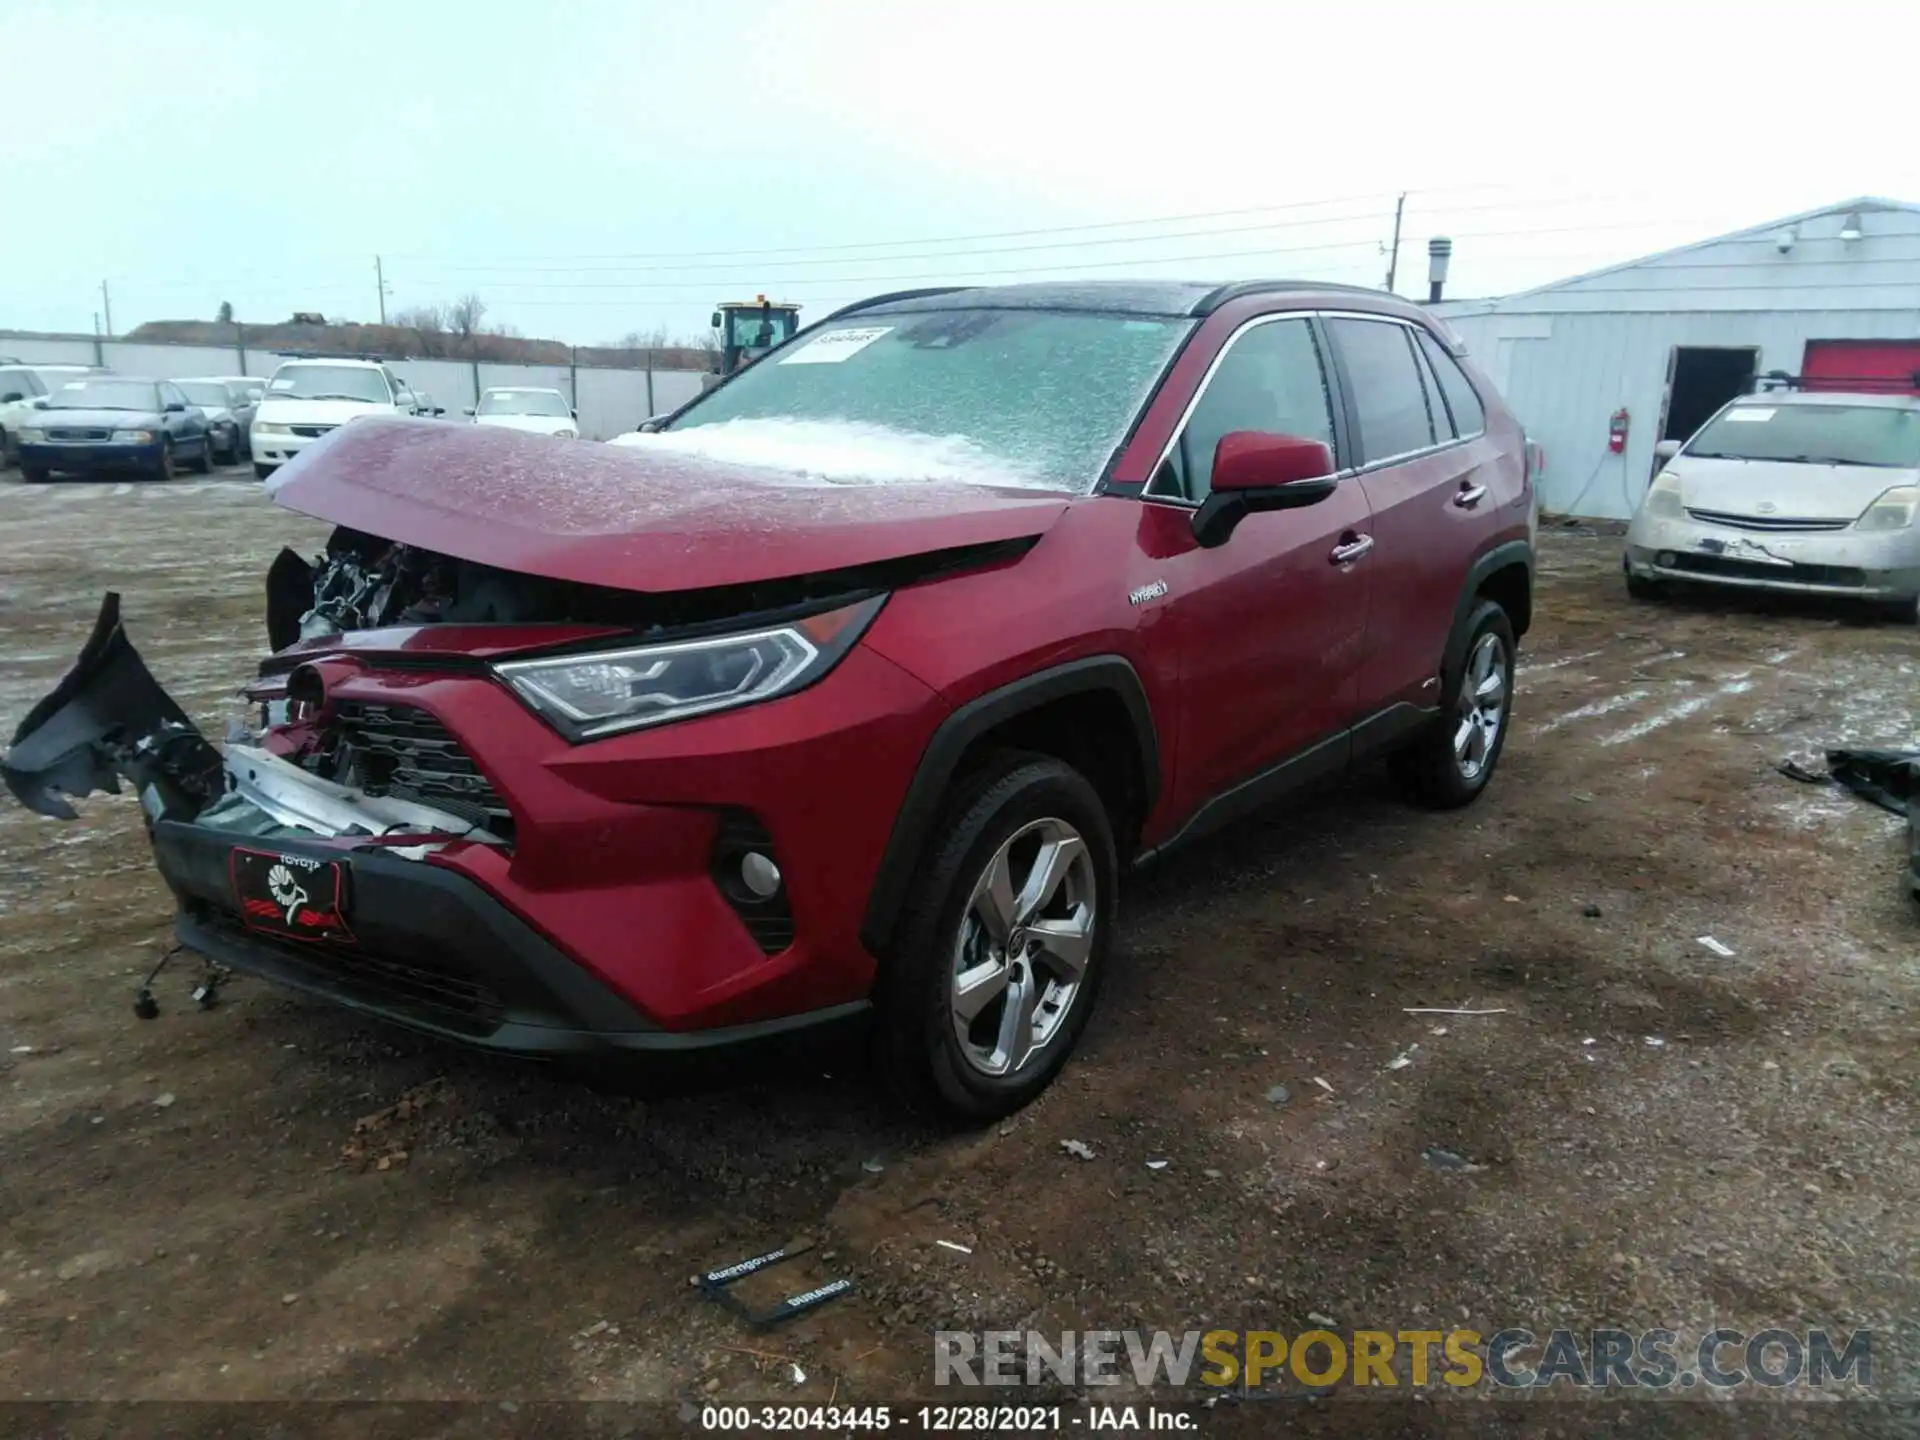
[434, 985]
[311, 432]
[404, 752]
[72, 436]
[1765, 522]
[1838, 576]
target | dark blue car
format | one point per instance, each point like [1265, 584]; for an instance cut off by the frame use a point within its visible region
[113, 423]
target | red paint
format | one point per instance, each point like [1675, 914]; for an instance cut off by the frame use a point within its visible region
[625, 518]
[1834, 362]
[1248, 652]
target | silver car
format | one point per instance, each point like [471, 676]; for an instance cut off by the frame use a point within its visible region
[229, 411]
[1789, 490]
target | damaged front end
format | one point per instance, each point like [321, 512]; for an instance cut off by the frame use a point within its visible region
[109, 720]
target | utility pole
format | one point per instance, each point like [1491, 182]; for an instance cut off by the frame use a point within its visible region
[380, 281]
[1393, 255]
[106, 304]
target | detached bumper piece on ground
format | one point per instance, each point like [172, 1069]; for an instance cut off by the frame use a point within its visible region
[1889, 778]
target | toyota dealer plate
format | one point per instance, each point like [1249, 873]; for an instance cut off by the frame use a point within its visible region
[291, 896]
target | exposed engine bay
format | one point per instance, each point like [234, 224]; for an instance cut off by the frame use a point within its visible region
[376, 771]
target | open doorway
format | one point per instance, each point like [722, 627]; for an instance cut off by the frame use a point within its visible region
[1700, 379]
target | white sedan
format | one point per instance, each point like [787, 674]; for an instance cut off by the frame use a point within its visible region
[538, 412]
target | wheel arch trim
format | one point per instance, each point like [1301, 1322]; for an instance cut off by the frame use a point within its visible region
[940, 761]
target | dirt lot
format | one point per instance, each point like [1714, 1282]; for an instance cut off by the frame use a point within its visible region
[274, 1200]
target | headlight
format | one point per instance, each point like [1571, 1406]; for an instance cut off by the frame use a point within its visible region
[133, 437]
[601, 692]
[1892, 511]
[567, 434]
[31, 436]
[1663, 497]
[267, 427]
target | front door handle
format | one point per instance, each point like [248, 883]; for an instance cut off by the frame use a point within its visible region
[1351, 550]
[1470, 496]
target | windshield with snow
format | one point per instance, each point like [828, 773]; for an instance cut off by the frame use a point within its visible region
[329, 382]
[1883, 435]
[523, 402]
[998, 397]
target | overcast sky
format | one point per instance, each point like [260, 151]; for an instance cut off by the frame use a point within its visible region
[593, 169]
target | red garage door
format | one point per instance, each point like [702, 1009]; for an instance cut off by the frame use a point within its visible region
[1834, 362]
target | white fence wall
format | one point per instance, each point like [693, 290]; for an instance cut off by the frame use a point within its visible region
[609, 401]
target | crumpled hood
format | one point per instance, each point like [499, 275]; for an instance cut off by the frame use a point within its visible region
[630, 518]
[1780, 489]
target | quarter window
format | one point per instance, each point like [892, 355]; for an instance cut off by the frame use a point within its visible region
[1271, 379]
[1388, 396]
[1469, 415]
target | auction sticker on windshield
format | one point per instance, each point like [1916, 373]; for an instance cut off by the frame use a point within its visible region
[1750, 416]
[832, 348]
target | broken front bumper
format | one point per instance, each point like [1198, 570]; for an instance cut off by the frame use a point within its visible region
[1851, 563]
[419, 941]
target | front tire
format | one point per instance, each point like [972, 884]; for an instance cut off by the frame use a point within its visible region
[1454, 757]
[1002, 944]
[203, 462]
[34, 475]
[261, 472]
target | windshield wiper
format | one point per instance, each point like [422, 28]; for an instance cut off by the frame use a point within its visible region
[364, 400]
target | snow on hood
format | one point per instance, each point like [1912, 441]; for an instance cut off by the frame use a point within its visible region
[633, 517]
[839, 452]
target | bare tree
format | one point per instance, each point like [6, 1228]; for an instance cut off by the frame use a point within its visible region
[464, 318]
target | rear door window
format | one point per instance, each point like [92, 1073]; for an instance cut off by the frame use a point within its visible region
[1389, 398]
[1469, 415]
[1272, 380]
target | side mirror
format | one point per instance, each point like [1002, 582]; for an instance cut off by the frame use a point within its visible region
[174, 407]
[715, 322]
[466, 409]
[1666, 450]
[12, 396]
[575, 413]
[1254, 471]
[41, 404]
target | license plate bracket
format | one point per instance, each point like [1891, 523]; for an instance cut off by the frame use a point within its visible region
[293, 897]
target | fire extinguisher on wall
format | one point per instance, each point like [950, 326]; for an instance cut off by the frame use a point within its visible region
[1617, 431]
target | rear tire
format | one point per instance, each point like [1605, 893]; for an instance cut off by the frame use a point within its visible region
[1031, 949]
[1454, 757]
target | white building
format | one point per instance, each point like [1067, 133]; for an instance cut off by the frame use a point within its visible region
[1657, 345]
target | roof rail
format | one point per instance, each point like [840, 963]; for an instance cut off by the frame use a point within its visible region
[1235, 289]
[893, 295]
[1867, 384]
[367, 355]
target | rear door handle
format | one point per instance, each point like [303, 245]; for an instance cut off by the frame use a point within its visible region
[1347, 553]
[1470, 496]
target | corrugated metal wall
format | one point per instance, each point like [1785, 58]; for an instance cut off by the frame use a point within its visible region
[1568, 356]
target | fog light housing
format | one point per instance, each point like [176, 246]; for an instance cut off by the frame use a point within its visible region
[1666, 559]
[747, 874]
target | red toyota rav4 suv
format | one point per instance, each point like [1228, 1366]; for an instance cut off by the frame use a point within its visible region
[848, 691]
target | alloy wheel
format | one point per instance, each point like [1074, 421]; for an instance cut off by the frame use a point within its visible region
[1482, 709]
[1020, 956]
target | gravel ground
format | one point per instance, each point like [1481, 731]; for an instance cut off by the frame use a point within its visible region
[272, 1200]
